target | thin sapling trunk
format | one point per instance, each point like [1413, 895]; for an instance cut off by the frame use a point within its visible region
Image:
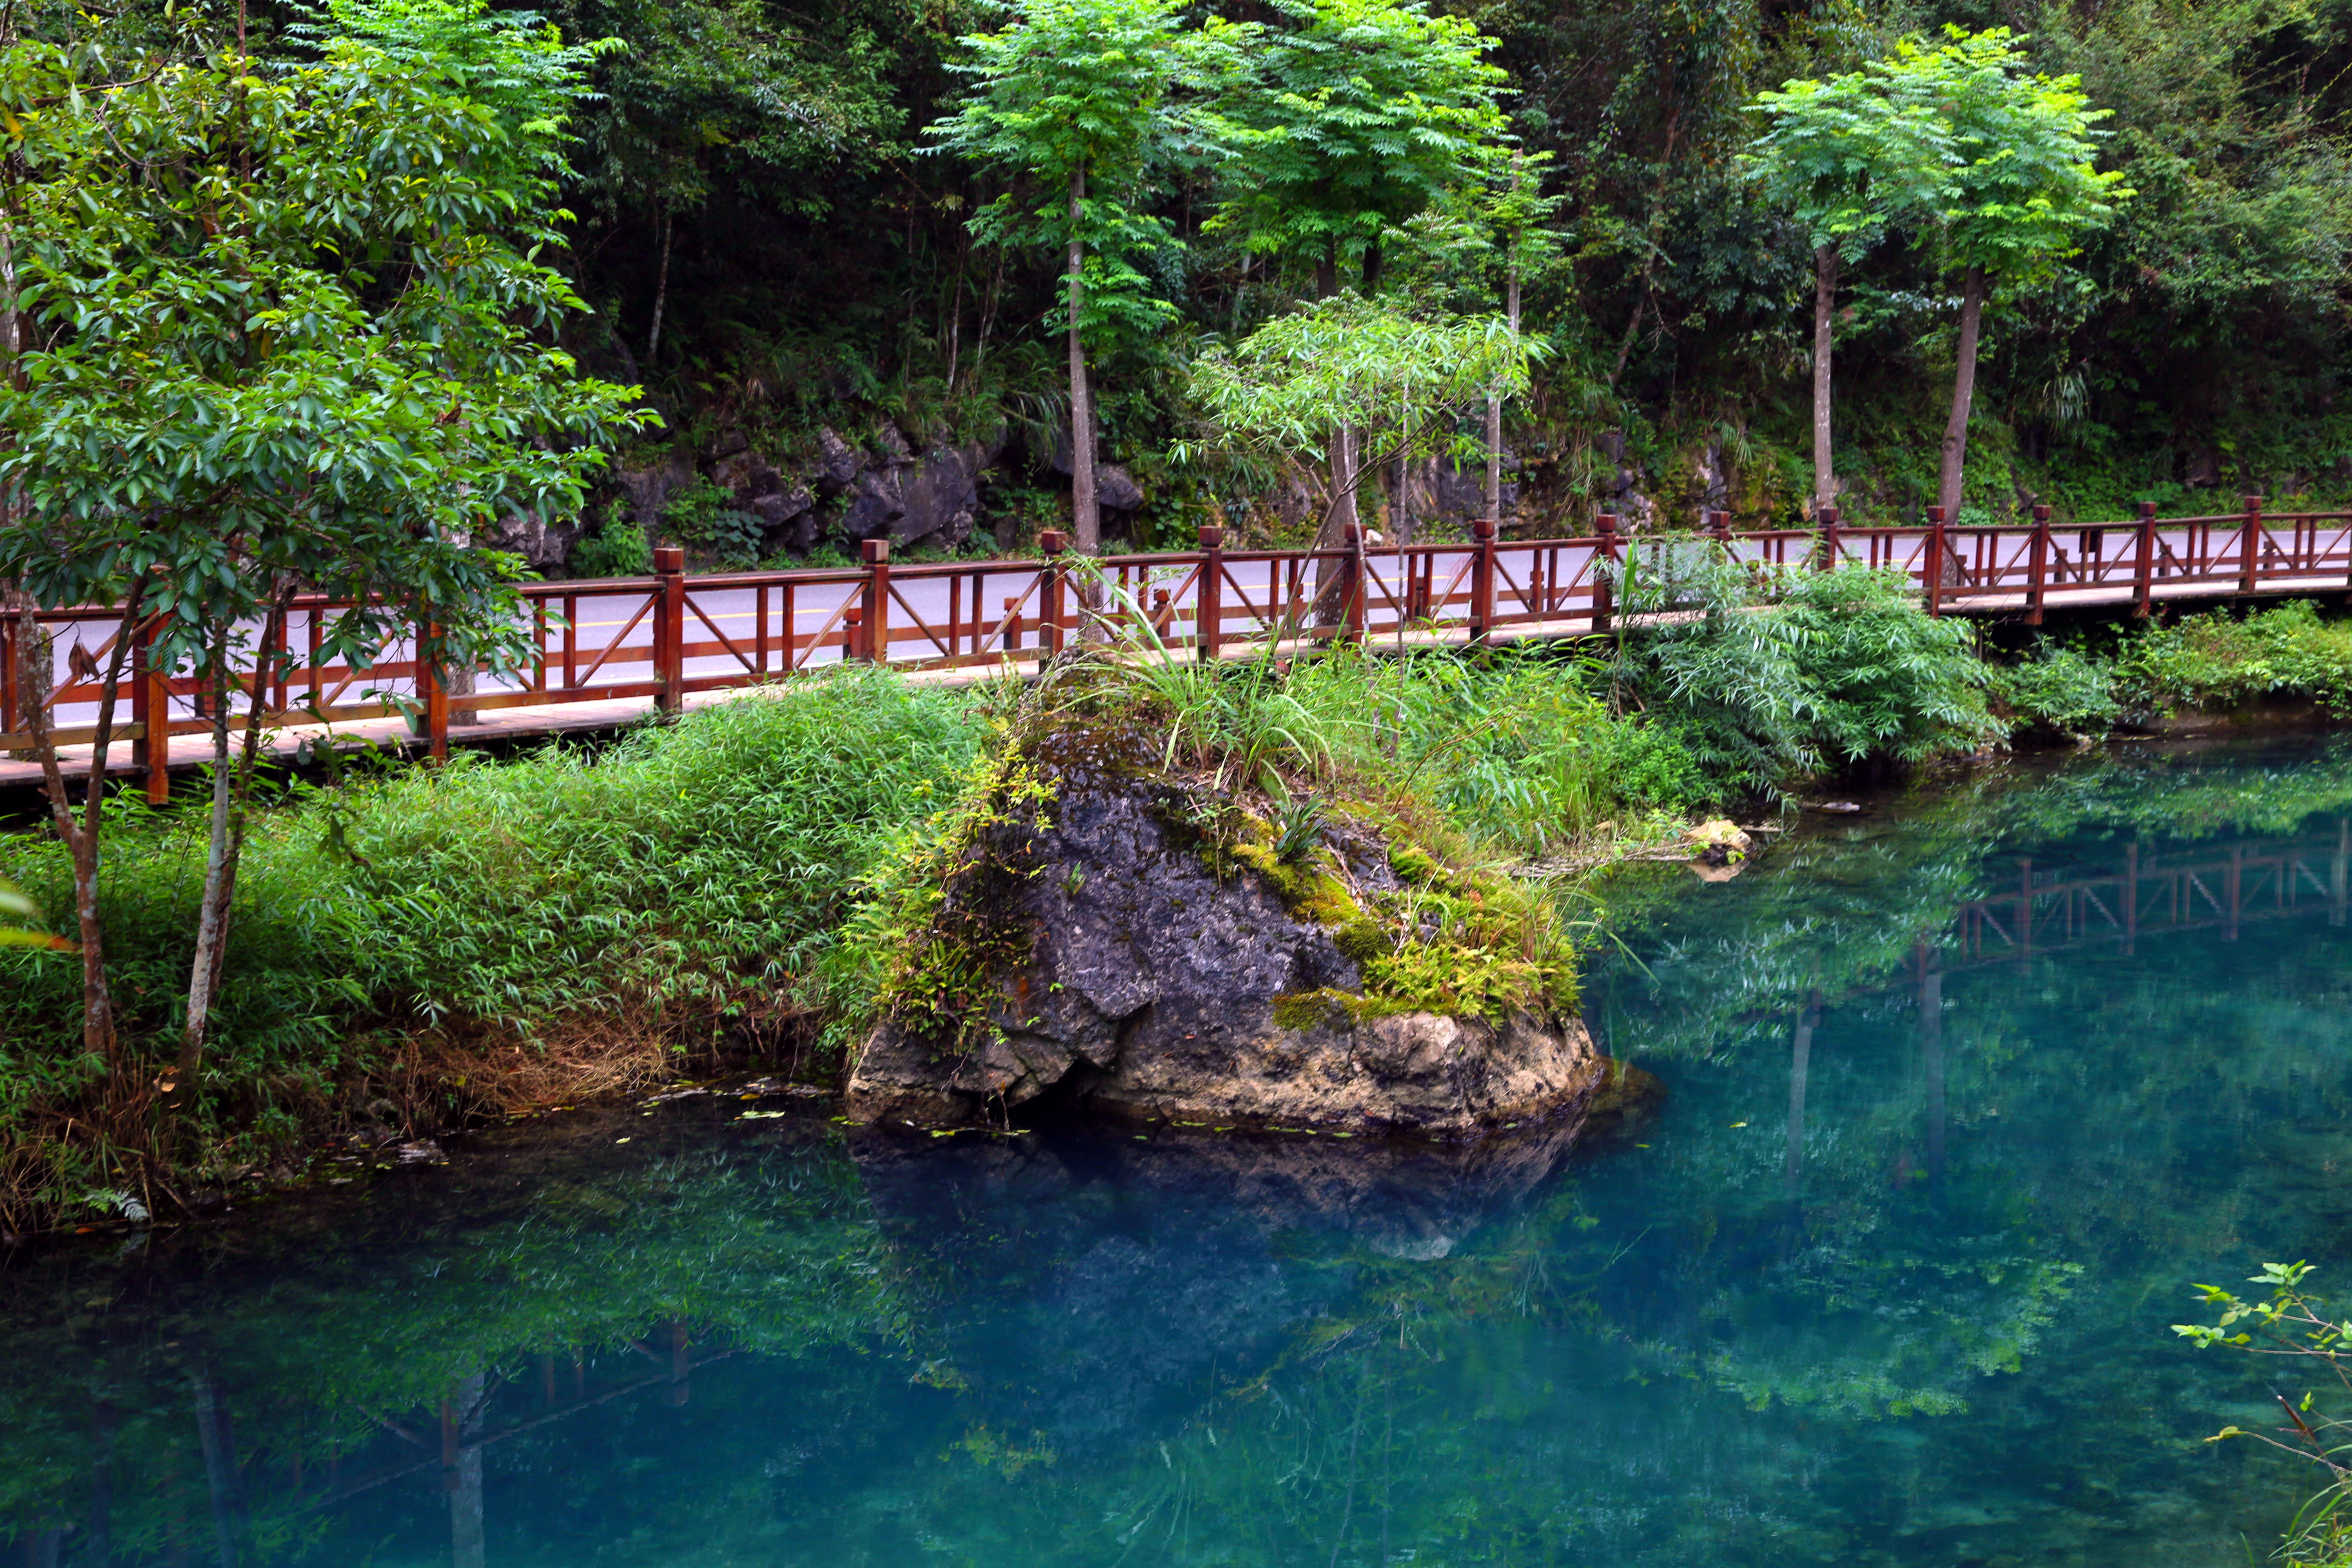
[1495, 406]
[1825, 267]
[225, 849]
[1964, 388]
[661, 290]
[1086, 521]
[80, 836]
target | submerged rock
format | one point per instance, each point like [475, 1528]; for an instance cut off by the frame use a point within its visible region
[1136, 975]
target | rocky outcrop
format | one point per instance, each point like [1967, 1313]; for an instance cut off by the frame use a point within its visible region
[1152, 985]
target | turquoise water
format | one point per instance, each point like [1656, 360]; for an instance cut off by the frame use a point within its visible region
[1881, 1273]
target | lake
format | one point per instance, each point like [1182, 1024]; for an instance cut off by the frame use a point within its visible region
[1936, 1114]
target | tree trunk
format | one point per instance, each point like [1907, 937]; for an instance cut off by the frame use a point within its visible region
[1494, 407]
[661, 290]
[226, 846]
[1964, 391]
[38, 662]
[213, 910]
[1825, 264]
[466, 1521]
[1085, 521]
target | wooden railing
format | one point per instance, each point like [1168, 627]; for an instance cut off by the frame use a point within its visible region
[664, 637]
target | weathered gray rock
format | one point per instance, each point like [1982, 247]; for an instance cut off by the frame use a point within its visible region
[838, 463]
[649, 489]
[1116, 489]
[933, 499]
[1152, 991]
[530, 537]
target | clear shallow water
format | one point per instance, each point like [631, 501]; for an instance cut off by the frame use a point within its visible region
[1870, 1282]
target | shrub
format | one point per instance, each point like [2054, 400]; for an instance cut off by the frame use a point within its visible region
[2221, 658]
[1770, 678]
[2057, 687]
[619, 548]
[703, 517]
[689, 877]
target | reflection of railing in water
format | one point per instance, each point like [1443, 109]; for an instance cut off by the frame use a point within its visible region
[2147, 895]
[2150, 895]
[658, 639]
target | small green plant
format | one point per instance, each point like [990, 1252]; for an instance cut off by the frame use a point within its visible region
[619, 548]
[703, 517]
[1298, 821]
[2056, 687]
[2290, 1326]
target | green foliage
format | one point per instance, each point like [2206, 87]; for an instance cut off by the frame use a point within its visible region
[2217, 659]
[2020, 188]
[1405, 381]
[2058, 686]
[1770, 679]
[1850, 155]
[932, 940]
[703, 515]
[1070, 100]
[619, 548]
[696, 874]
[16, 906]
[1357, 115]
[2292, 1324]
[377, 386]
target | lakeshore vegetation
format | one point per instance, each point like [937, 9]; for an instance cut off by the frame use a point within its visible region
[416, 945]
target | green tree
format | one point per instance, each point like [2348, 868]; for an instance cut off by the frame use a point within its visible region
[2019, 187]
[1845, 157]
[280, 329]
[1520, 215]
[1071, 100]
[741, 100]
[1360, 114]
[1400, 384]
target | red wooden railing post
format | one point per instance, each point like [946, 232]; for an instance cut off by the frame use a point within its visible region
[11, 678]
[1604, 527]
[1825, 559]
[1208, 597]
[1052, 541]
[433, 690]
[2039, 573]
[2144, 558]
[876, 553]
[1482, 578]
[1932, 575]
[151, 709]
[1721, 528]
[669, 627]
[1352, 588]
[2249, 559]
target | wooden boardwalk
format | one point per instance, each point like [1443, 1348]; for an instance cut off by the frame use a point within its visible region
[605, 653]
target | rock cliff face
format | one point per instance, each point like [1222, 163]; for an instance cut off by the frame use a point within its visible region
[1155, 987]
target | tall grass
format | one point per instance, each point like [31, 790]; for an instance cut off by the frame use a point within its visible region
[674, 885]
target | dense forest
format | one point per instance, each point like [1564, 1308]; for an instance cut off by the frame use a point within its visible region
[772, 247]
